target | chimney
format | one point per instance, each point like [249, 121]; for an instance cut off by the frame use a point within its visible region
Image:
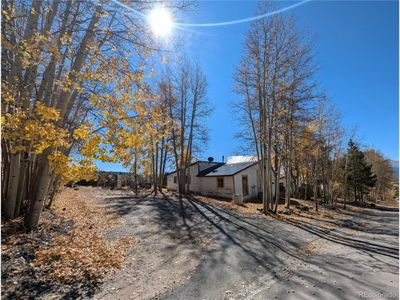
[223, 158]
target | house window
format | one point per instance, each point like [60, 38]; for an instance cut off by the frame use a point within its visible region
[220, 182]
[174, 179]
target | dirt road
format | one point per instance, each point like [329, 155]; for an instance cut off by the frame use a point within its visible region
[195, 250]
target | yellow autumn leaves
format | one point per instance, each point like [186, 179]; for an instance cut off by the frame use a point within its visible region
[110, 108]
[36, 130]
[33, 130]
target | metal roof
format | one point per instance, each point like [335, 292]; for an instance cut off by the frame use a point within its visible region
[203, 169]
[230, 169]
[241, 159]
[209, 169]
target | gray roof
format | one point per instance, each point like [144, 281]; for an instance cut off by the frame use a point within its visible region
[203, 167]
[204, 171]
[230, 169]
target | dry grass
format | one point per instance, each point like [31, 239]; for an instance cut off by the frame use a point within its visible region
[245, 208]
[324, 214]
[326, 218]
[84, 253]
[389, 203]
[314, 246]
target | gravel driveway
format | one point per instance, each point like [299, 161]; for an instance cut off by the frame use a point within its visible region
[194, 250]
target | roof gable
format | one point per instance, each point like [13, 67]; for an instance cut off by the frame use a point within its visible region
[203, 167]
[206, 171]
[230, 169]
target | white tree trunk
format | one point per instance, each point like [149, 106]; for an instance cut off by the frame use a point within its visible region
[12, 190]
[36, 207]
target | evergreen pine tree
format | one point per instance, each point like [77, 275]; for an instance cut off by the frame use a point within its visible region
[359, 175]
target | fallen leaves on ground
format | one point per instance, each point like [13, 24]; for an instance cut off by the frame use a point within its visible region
[326, 218]
[68, 252]
[314, 246]
[246, 208]
[83, 254]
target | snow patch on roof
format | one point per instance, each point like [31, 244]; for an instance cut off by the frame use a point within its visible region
[241, 159]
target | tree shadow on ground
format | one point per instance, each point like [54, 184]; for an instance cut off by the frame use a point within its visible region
[185, 220]
[175, 215]
[343, 239]
[233, 238]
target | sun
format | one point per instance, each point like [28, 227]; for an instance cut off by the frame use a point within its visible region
[160, 21]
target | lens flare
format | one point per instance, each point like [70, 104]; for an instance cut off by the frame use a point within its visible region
[170, 23]
[160, 22]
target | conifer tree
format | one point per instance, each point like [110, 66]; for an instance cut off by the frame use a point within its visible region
[358, 174]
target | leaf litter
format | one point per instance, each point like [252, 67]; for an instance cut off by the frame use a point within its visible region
[68, 254]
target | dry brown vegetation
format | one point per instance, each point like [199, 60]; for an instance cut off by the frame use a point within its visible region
[83, 254]
[389, 203]
[246, 208]
[69, 247]
[327, 217]
[314, 246]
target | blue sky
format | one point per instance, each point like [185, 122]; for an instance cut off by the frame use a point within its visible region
[356, 48]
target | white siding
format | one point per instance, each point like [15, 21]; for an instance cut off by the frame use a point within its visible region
[209, 186]
[194, 180]
[170, 182]
[254, 182]
[251, 174]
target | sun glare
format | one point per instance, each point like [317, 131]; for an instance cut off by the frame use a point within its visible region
[160, 21]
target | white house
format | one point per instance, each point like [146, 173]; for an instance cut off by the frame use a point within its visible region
[239, 175]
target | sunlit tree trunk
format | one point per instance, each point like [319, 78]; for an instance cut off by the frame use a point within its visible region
[37, 203]
[13, 181]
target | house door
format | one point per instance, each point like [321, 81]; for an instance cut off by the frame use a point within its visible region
[245, 185]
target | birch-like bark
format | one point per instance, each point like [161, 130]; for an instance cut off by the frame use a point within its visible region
[65, 97]
[36, 206]
[47, 81]
[21, 196]
[12, 189]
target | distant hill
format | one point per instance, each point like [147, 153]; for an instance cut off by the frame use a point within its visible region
[395, 166]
